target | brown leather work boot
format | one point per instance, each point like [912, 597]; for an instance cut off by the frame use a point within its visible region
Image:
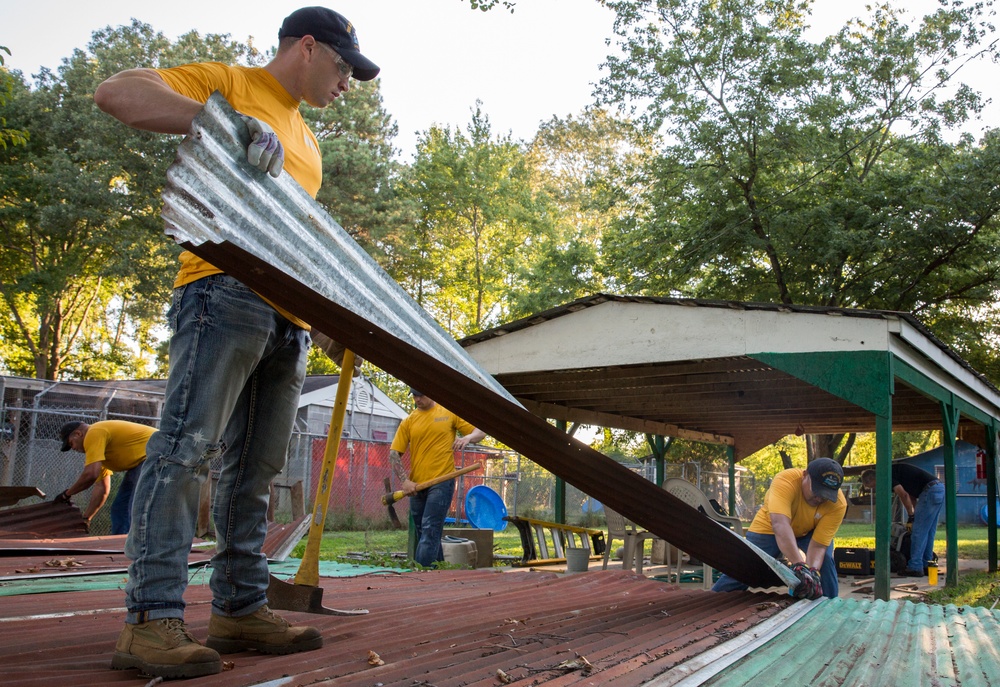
[262, 630]
[164, 648]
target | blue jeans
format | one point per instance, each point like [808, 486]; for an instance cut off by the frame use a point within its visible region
[767, 542]
[121, 507]
[236, 370]
[925, 521]
[429, 509]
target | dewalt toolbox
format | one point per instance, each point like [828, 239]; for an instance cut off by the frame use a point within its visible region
[854, 561]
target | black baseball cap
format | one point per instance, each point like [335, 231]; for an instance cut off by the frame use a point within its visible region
[64, 433]
[826, 475]
[415, 392]
[331, 28]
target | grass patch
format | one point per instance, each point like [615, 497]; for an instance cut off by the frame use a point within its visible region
[974, 589]
[379, 547]
[972, 539]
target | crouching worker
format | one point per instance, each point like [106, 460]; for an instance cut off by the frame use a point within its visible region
[108, 446]
[800, 517]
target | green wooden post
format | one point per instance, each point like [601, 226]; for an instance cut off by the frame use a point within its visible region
[883, 504]
[658, 446]
[559, 507]
[991, 494]
[662, 445]
[949, 417]
[731, 457]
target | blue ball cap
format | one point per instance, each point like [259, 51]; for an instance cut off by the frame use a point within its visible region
[331, 28]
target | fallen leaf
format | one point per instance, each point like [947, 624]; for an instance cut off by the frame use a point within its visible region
[374, 659]
[578, 663]
[503, 677]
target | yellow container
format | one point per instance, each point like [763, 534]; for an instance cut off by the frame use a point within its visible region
[932, 572]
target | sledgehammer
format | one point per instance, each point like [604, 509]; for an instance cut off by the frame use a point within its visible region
[392, 496]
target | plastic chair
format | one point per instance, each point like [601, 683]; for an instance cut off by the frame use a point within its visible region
[694, 497]
[633, 540]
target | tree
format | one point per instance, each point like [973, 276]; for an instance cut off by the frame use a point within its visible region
[809, 173]
[785, 181]
[7, 81]
[84, 264]
[360, 176]
[477, 214]
[575, 161]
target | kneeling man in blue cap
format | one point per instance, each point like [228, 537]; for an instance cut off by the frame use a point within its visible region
[801, 514]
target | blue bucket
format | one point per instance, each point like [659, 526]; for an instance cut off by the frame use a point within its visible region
[984, 514]
[485, 509]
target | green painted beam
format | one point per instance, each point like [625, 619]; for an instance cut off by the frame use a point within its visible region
[559, 498]
[919, 381]
[659, 445]
[860, 377]
[949, 421]
[883, 505]
[991, 494]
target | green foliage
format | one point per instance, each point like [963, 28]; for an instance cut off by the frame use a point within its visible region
[7, 81]
[487, 5]
[360, 177]
[477, 214]
[972, 541]
[620, 444]
[574, 161]
[806, 173]
[973, 589]
[85, 273]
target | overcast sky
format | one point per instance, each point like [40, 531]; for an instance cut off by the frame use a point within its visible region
[437, 56]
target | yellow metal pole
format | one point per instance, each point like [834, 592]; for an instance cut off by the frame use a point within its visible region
[308, 573]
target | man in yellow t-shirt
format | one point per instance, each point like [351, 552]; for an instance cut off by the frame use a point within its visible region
[800, 517]
[236, 364]
[109, 446]
[432, 434]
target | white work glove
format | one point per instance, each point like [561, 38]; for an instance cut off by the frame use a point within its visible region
[265, 151]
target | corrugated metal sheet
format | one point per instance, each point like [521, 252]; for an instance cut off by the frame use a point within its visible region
[871, 643]
[42, 520]
[50, 553]
[11, 495]
[276, 239]
[443, 628]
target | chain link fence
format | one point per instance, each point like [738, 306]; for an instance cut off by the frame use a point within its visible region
[32, 412]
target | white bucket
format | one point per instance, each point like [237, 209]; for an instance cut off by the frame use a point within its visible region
[577, 560]
[459, 551]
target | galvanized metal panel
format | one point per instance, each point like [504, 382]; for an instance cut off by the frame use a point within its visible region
[874, 643]
[276, 239]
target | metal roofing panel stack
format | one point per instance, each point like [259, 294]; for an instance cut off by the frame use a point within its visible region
[441, 628]
[872, 643]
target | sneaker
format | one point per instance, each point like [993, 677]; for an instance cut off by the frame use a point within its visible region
[164, 648]
[262, 630]
[912, 573]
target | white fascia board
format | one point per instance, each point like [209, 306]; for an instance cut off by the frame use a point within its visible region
[615, 333]
[913, 347]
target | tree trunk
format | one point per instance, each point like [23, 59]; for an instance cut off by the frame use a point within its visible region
[835, 446]
[786, 460]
